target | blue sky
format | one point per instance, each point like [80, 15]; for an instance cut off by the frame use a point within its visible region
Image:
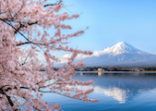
[111, 21]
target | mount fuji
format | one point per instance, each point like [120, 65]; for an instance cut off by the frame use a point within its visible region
[120, 54]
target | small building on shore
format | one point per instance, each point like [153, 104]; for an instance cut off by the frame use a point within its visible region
[100, 71]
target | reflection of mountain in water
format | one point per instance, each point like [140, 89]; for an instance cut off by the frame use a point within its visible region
[123, 88]
[116, 93]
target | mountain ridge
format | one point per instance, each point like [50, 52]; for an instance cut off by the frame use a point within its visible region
[120, 54]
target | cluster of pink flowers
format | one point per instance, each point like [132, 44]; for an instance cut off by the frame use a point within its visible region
[31, 32]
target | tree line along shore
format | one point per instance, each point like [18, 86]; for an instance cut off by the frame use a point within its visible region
[120, 69]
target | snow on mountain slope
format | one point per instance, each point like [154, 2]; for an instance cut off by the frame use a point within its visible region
[117, 49]
[120, 54]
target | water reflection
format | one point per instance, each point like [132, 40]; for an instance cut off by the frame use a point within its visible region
[114, 93]
[117, 94]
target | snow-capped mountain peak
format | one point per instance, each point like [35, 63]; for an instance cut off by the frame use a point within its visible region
[117, 49]
[121, 53]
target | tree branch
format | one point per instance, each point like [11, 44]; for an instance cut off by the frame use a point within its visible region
[24, 25]
[59, 2]
[7, 97]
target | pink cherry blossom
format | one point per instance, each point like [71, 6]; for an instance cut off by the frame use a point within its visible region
[31, 33]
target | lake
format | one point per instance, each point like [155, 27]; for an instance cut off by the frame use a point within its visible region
[114, 92]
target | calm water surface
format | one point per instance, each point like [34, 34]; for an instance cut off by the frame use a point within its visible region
[116, 92]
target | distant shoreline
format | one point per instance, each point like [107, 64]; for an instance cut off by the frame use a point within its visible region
[118, 72]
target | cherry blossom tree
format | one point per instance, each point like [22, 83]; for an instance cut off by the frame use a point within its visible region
[31, 32]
